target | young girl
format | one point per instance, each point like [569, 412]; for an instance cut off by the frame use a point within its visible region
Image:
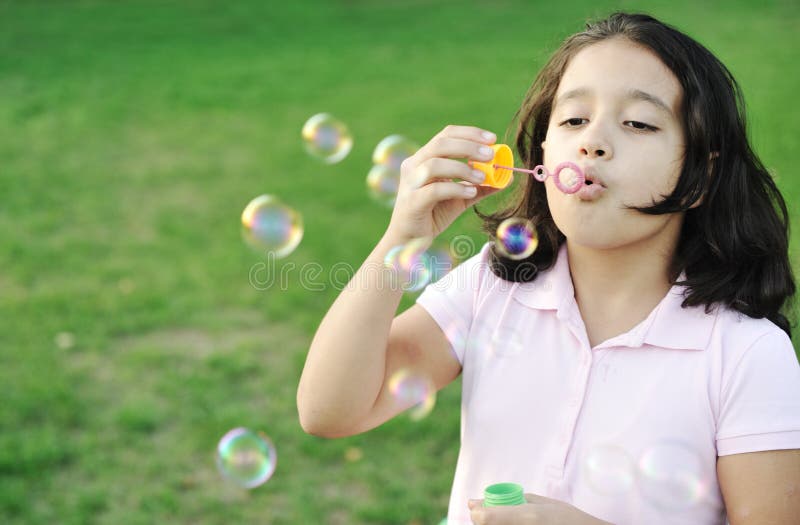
[636, 367]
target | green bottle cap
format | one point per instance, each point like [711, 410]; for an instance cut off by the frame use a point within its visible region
[501, 494]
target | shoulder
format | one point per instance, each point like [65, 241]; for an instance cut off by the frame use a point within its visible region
[755, 356]
[758, 389]
[729, 339]
[737, 335]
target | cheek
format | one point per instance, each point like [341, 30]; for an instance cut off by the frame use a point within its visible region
[559, 206]
[554, 195]
[667, 166]
[662, 182]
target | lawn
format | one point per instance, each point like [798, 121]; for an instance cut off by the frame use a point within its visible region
[132, 135]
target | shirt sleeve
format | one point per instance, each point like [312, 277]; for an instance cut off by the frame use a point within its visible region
[760, 404]
[451, 300]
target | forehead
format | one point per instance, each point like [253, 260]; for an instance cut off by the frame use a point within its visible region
[621, 69]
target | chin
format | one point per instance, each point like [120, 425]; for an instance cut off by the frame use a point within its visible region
[591, 239]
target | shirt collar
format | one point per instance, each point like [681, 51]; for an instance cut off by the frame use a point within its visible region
[669, 325]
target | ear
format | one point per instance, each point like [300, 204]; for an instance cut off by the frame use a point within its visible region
[713, 155]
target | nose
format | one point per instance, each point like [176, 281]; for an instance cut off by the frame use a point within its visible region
[595, 149]
[594, 142]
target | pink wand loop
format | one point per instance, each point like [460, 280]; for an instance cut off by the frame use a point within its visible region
[581, 178]
[540, 173]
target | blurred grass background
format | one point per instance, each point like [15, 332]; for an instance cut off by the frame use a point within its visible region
[133, 133]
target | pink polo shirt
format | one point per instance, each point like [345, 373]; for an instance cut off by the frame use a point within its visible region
[628, 431]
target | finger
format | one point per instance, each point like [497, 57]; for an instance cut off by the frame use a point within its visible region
[437, 168]
[503, 515]
[483, 192]
[436, 192]
[454, 148]
[533, 498]
[468, 132]
[478, 515]
[474, 503]
[508, 515]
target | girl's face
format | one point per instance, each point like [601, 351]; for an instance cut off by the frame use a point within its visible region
[615, 114]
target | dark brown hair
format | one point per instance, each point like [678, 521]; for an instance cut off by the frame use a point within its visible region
[734, 245]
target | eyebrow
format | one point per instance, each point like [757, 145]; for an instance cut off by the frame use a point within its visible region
[631, 94]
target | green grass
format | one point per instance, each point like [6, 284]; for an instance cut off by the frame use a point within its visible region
[132, 134]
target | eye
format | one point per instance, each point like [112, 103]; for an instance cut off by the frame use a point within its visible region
[571, 122]
[641, 126]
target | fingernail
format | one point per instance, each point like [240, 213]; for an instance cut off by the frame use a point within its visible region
[486, 152]
[488, 135]
[478, 175]
[470, 191]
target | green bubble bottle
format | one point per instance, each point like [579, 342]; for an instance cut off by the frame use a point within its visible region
[501, 494]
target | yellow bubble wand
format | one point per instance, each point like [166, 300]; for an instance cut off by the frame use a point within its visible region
[500, 169]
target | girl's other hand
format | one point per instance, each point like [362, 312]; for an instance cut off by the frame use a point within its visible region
[537, 511]
[427, 200]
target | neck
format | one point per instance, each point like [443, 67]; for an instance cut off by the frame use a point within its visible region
[620, 278]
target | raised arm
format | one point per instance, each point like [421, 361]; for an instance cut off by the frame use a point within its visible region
[359, 344]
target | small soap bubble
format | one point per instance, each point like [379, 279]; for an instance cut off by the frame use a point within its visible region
[327, 138]
[270, 225]
[246, 458]
[411, 264]
[64, 340]
[671, 476]
[393, 150]
[441, 260]
[413, 390]
[383, 183]
[609, 469]
[516, 238]
[455, 335]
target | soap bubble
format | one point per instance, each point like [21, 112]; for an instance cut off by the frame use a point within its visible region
[246, 458]
[383, 183]
[671, 476]
[454, 334]
[413, 390]
[418, 266]
[609, 469]
[270, 225]
[516, 238]
[441, 260]
[327, 138]
[411, 264]
[393, 150]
